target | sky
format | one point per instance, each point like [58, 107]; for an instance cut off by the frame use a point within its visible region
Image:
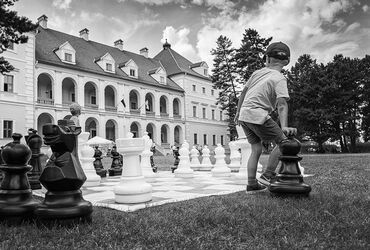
[321, 28]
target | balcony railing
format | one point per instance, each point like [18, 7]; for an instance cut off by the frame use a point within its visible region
[150, 113]
[164, 114]
[66, 103]
[47, 101]
[135, 111]
[91, 106]
[176, 116]
[111, 108]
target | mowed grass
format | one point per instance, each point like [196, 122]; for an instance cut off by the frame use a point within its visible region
[334, 216]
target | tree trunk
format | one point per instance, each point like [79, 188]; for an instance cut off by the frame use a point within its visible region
[345, 148]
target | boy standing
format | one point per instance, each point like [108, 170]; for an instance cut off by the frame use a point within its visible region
[265, 90]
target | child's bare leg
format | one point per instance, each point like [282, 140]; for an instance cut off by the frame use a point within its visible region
[273, 161]
[253, 162]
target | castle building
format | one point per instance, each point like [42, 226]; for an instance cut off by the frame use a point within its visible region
[119, 91]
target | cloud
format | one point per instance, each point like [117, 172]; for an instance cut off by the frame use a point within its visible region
[365, 8]
[220, 4]
[178, 38]
[308, 27]
[62, 4]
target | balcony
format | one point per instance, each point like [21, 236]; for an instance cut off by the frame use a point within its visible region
[46, 101]
[177, 116]
[135, 111]
[150, 113]
[66, 103]
[110, 108]
[164, 114]
[91, 106]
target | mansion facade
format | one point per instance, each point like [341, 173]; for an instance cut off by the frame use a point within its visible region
[119, 91]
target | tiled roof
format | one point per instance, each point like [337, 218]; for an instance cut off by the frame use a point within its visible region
[86, 53]
[175, 63]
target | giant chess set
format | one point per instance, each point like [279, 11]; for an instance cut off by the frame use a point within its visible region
[73, 180]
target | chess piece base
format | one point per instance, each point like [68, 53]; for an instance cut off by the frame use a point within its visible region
[114, 172]
[289, 184]
[17, 205]
[133, 190]
[184, 173]
[66, 207]
[102, 173]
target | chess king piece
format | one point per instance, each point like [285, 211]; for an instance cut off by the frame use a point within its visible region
[145, 165]
[289, 178]
[194, 159]
[184, 170]
[132, 188]
[34, 141]
[98, 165]
[206, 164]
[220, 168]
[116, 167]
[234, 157]
[63, 176]
[86, 154]
[16, 201]
[176, 155]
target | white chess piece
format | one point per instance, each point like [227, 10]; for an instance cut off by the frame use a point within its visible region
[132, 188]
[86, 156]
[183, 170]
[206, 164]
[194, 160]
[234, 156]
[146, 167]
[220, 168]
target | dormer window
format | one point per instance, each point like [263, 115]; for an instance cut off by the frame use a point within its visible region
[200, 67]
[132, 72]
[130, 68]
[159, 75]
[106, 62]
[206, 72]
[108, 66]
[68, 57]
[162, 79]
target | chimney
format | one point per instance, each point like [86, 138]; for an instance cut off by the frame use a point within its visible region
[84, 34]
[119, 44]
[43, 21]
[144, 52]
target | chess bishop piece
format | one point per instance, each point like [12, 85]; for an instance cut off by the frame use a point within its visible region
[98, 165]
[16, 201]
[34, 141]
[63, 177]
[289, 179]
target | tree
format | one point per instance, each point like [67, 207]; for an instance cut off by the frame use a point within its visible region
[250, 56]
[365, 110]
[224, 79]
[12, 29]
[308, 108]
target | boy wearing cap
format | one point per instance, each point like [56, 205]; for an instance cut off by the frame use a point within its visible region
[265, 90]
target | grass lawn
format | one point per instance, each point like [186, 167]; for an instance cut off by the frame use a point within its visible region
[336, 215]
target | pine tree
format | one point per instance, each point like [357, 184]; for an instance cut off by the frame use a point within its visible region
[12, 29]
[224, 79]
[249, 57]
[365, 111]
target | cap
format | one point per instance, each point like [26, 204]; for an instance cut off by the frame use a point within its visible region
[278, 50]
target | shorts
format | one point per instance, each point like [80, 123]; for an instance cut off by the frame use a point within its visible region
[267, 132]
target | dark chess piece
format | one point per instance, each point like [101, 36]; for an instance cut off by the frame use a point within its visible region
[16, 200]
[34, 141]
[152, 164]
[289, 179]
[117, 163]
[176, 155]
[63, 177]
[98, 165]
[1, 162]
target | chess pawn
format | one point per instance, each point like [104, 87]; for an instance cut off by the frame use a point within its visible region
[34, 141]
[184, 170]
[220, 168]
[289, 178]
[98, 165]
[86, 154]
[194, 156]
[132, 188]
[206, 164]
[145, 164]
[234, 157]
[16, 200]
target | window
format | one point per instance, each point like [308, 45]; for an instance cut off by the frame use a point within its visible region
[68, 57]
[213, 114]
[108, 67]
[220, 115]
[194, 111]
[93, 99]
[222, 140]
[212, 92]
[162, 79]
[195, 139]
[132, 72]
[204, 112]
[73, 97]
[7, 129]
[214, 139]
[194, 88]
[92, 132]
[205, 72]
[8, 83]
[205, 139]
[204, 90]
[11, 46]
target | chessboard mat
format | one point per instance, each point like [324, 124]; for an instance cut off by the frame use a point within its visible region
[167, 188]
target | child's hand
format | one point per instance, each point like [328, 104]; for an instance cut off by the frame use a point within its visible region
[288, 131]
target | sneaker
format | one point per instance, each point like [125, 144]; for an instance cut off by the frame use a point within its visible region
[255, 188]
[266, 180]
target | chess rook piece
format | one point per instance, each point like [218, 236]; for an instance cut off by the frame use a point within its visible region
[220, 168]
[184, 170]
[16, 201]
[176, 155]
[289, 179]
[86, 154]
[116, 167]
[132, 188]
[63, 177]
[98, 165]
[34, 141]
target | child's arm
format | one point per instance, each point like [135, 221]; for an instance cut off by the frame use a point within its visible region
[282, 107]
